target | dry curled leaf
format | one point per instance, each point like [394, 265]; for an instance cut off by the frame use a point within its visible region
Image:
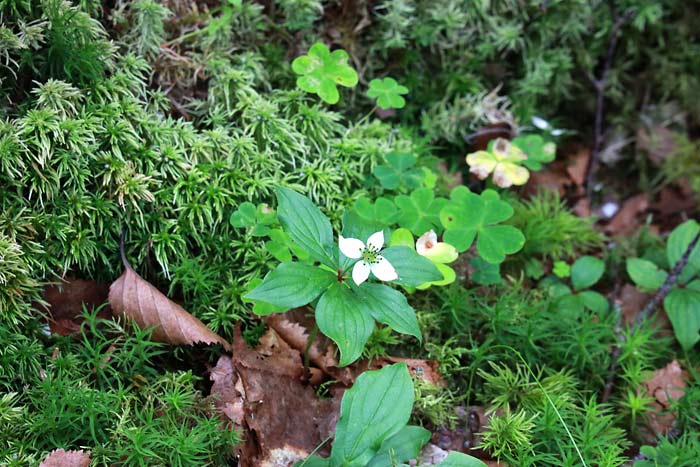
[133, 297]
[627, 220]
[62, 458]
[666, 385]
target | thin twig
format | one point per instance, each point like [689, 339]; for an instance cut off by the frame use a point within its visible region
[600, 84]
[670, 281]
[649, 309]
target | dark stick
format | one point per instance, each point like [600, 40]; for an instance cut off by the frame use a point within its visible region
[600, 84]
[647, 311]
[670, 281]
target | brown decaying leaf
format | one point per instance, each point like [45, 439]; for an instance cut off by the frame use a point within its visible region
[284, 419]
[290, 327]
[61, 458]
[665, 386]
[67, 300]
[625, 221]
[577, 166]
[427, 370]
[131, 296]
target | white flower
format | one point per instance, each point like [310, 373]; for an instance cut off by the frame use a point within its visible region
[369, 258]
[540, 123]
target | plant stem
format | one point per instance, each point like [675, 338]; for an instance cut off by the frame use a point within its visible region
[600, 84]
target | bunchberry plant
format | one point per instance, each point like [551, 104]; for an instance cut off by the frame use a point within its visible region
[346, 307]
[388, 93]
[321, 71]
[682, 304]
[372, 430]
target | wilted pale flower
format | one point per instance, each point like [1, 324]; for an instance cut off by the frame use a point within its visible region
[502, 161]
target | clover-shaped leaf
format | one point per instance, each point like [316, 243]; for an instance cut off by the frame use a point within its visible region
[257, 219]
[504, 160]
[366, 217]
[468, 216]
[584, 273]
[420, 211]
[388, 93]
[538, 151]
[322, 70]
[399, 172]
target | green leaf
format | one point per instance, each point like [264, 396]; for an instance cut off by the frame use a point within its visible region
[683, 309]
[412, 268]
[561, 269]
[397, 172]
[420, 211]
[646, 274]
[401, 447]
[495, 242]
[306, 225]
[376, 407]
[292, 285]
[388, 93]
[485, 273]
[594, 301]
[586, 271]
[458, 459]
[343, 317]
[448, 276]
[538, 151]
[366, 217]
[244, 216]
[321, 70]
[402, 237]
[569, 305]
[314, 461]
[390, 307]
[678, 243]
[468, 216]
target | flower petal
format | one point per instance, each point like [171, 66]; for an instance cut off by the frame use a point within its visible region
[540, 123]
[360, 272]
[507, 174]
[351, 247]
[481, 163]
[376, 240]
[425, 242]
[383, 270]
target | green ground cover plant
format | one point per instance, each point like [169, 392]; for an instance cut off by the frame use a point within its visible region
[399, 183]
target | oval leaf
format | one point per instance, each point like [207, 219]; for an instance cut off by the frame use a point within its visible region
[134, 298]
[292, 285]
[342, 316]
[390, 307]
[646, 274]
[586, 271]
[376, 407]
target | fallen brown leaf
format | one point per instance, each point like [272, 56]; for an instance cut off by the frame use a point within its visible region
[293, 329]
[576, 168]
[626, 220]
[131, 296]
[227, 397]
[62, 458]
[665, 386]
[68, 299]
[631, 302]
[552, 178]
[284, 419]
[427, 370]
